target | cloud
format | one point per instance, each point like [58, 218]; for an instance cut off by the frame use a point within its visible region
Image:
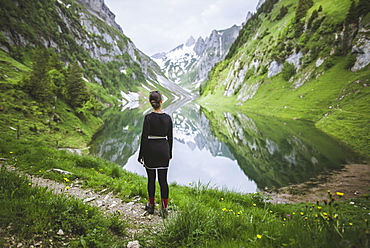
[161, 25]
[211, 12]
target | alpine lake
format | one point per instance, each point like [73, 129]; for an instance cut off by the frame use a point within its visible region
[240, 152]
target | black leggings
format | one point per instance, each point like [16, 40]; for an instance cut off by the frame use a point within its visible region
[162, 178]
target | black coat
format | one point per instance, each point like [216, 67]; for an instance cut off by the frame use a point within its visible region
[156, 140]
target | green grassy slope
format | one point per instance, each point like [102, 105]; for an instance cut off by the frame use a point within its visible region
[19, 110]
[330, 94]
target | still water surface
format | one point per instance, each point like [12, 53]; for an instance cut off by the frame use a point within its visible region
[240, 152]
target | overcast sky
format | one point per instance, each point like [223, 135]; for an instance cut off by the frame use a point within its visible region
[161, 25]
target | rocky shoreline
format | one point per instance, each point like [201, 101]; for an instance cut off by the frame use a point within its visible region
[353, 180]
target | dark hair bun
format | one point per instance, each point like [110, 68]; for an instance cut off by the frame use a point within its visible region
[155, 99]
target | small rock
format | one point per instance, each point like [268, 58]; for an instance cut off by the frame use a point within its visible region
[103, 191]
[19, 245]
[130, 203]
[133, 244]
[61, 171]
[60, 232]
[137, 198]
[114, 203]
[38, 243]
[89, 199]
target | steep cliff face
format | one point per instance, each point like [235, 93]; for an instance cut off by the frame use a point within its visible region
[190, 63]
[361, 46]
[101, 10]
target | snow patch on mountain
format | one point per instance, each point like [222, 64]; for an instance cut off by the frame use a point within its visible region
[189, 64]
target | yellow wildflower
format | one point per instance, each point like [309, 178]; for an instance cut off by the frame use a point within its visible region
[259, 236]
[254, 204]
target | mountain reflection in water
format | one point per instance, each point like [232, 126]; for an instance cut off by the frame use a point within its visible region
[238, 152]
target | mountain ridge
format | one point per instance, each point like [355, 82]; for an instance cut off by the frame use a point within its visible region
[189, 63]
[102, 11]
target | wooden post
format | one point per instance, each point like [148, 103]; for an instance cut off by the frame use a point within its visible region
[19, 131]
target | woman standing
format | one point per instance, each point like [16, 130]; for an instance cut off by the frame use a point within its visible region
[156, 150]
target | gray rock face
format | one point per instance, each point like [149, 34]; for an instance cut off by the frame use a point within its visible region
[260, 2]
[361, 49]
[274, 69]
[102, 11]
[198, 48]
[249, 16]
[190, 42]
[295, 59]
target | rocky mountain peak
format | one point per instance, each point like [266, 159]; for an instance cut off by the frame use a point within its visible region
[260, 2]
[249, 16]
[190, 42]
[190, 64]
[198, 48]
[101, 10]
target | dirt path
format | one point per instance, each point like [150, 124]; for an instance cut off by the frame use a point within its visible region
[353, 180]
[139, 221]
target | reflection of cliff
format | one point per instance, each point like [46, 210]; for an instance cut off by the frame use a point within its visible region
[120, 137]
[274, 152]
[191, 127]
